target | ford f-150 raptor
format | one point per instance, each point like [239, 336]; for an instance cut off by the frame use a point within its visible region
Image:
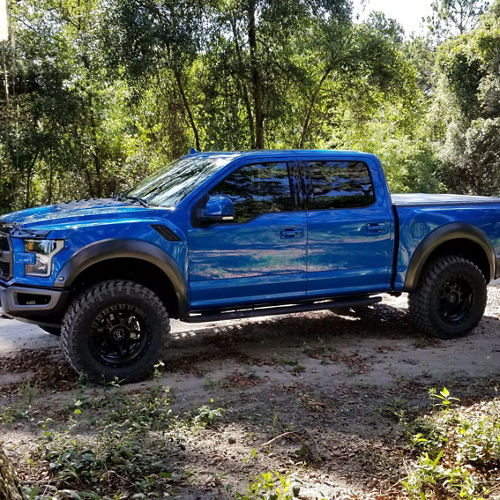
[229, 235]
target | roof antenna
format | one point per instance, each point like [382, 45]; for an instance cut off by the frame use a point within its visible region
[193, 151]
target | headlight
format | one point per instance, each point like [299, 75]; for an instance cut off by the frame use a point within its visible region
[43, 252]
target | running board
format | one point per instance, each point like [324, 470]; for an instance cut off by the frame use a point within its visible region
[276, 310]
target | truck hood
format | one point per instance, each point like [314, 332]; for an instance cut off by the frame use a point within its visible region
[84, 211]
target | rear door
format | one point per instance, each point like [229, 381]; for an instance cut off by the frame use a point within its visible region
[260, 256]
[350, 227]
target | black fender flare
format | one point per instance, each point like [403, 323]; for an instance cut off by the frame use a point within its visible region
[112, 249]
[453, 231]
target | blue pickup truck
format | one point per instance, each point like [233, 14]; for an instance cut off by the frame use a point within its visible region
[222, 235]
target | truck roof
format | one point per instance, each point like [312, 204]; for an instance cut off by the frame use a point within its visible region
[282, 152]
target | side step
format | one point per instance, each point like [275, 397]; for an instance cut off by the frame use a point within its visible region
[252, 312]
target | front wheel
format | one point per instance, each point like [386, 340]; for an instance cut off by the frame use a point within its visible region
[450, 298]
[115, 329]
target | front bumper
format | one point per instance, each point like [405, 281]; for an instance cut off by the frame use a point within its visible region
[37, 304]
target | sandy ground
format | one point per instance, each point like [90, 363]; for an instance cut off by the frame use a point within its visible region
[340, 382]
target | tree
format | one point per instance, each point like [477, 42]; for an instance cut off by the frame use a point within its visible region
[9, 486]
[468, 101]
[454, 17]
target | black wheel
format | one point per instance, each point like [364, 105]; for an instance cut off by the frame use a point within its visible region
[450, 298]
[53, 330]
[115, 329]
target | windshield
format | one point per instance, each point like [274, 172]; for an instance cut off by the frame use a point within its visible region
[171, 184]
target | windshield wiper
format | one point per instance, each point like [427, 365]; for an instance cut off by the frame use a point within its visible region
[137, 199]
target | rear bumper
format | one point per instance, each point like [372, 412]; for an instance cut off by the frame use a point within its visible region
[33, 303]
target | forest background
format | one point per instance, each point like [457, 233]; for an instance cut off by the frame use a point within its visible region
[96, 94]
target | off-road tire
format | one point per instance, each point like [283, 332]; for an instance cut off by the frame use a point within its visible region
[425, 302]
[77, 339]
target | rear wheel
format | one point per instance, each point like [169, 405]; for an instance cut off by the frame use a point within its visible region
[115, 329]
[450, 298]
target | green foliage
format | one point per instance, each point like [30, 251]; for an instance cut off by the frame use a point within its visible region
[100, 93]
[206, 416]
[459, 450]
[126, 454]
[452, 17]
[468, 99]
[22, 409]
[269, 486]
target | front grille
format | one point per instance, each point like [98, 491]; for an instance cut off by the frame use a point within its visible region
[5, 269]
[4, 243]
[5, 257]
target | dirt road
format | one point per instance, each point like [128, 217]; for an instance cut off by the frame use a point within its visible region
[340, 382]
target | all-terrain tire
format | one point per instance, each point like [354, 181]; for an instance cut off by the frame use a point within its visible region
[115, 329]
[450, 298]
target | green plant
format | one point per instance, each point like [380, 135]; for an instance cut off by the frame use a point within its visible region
[27, 392]
[442, 398]
[285, 361]
[269, 486]
[127, 453]
[432, 477]
[460, 449]
[207, 416]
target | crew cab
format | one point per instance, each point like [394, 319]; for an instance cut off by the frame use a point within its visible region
[222, 235]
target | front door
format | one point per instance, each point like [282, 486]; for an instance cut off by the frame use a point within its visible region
[260, 256]
[350, 229]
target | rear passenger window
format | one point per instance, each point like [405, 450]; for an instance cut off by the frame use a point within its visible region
[338, 184]
[259, 188]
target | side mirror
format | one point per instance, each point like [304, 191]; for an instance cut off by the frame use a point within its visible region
[217, 209]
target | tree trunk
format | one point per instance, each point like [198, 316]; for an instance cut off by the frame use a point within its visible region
[256, 77]
[244, 89]
[305, 126]
[9, 487]
[187, 107]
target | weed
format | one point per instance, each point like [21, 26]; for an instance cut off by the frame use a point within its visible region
[285, 361]
[460, 449]
[126, 455]
[269, 485]
[442, 398]
[207, 416]
[27, 392]
[253, 456]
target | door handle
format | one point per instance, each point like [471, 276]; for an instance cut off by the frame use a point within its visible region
[292, 232]
[376, 227]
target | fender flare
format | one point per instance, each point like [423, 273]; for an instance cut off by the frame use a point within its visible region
[114, 249]
[453, 231]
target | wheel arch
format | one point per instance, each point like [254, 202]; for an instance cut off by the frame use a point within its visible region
[452, 239]
[127, 259]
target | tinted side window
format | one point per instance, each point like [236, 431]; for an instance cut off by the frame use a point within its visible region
[259, 188]
[338, 184]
